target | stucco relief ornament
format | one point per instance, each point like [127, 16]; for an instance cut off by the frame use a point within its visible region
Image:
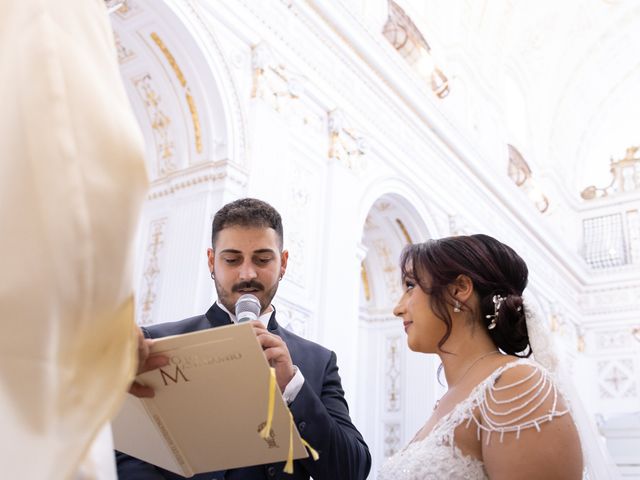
[363, 145]
[295, 87]
[336, 121]
[261, 57]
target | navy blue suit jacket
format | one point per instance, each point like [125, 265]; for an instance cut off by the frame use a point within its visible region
[319, 410]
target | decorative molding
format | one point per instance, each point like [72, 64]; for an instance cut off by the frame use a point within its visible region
[615, 340]
[405, 232]
[193, 110]
[458, 225]
[383, 206]
[393, 374]
[226, 78]
[520, 173]
[125, 54]
[346, 146]
[197, 176]
[625, 175]
[151, 271]
[377, 318]
[392, 435]
[633, 235]
[390, 270]
[170, 58]
[160, 122]
[114, 5]
[272, 82]
[296, 266]
[361, 255]
[610, 300]
[616, 378]
[369, 224]
[128, 10]
[299, 201]
[410, 43]
[364, 277]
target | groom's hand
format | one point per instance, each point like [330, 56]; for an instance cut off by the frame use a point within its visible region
[277, 354]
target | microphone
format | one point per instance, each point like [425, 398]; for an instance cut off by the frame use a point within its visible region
[247, 308]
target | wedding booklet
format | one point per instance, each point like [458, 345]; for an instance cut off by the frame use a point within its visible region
[211, 403]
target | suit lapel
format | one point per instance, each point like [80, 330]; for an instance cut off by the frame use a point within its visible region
[217, 317]
[273, 326]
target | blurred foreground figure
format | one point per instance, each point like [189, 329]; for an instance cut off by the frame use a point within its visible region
[72, 181]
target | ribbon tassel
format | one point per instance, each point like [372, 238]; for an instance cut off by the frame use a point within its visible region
[264, 433]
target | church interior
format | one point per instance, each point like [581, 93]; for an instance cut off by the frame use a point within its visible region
[372, 124]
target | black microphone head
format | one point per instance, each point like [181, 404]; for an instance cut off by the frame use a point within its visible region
[247, 308]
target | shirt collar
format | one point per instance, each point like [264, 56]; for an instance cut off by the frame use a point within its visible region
[264, 318]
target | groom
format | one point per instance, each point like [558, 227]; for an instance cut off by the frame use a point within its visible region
[247, 256]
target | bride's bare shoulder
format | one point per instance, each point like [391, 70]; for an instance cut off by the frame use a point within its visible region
[526, 427]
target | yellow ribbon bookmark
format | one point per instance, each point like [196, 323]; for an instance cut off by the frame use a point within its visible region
[288, 468]
[315, 455]
[264, 433]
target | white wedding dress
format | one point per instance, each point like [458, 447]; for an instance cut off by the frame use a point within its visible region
[437, 456]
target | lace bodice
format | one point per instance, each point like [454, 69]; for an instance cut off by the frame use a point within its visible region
[437, 456]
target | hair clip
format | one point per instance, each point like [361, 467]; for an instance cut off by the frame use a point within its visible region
[497, 302]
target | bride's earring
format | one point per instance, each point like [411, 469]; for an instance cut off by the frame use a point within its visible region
[456, 307]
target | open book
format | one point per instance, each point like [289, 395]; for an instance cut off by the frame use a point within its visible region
[210, 404]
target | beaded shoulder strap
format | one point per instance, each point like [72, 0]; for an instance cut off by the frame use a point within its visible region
[527, 402]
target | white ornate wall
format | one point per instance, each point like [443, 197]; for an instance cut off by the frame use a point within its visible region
[305, 104]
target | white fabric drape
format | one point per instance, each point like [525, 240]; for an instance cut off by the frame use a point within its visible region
[72, 181]
[597, 460]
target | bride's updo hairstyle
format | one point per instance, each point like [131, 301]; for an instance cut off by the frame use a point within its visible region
[493, 267]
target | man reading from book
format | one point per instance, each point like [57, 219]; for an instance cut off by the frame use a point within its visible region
[247, 256]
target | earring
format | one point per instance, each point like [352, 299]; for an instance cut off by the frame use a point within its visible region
[456, 307]
[212, 277]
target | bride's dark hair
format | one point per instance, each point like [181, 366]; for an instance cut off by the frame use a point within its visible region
[493, 267]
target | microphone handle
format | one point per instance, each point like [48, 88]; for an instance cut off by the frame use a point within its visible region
[246, 317]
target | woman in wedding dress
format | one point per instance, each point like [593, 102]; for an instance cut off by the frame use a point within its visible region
[503, 415]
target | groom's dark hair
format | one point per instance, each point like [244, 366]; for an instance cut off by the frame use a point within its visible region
[247, 212]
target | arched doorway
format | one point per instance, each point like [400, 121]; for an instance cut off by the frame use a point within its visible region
[186, 106]
[396, 387]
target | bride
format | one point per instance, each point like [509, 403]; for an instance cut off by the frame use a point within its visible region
[503, 416]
